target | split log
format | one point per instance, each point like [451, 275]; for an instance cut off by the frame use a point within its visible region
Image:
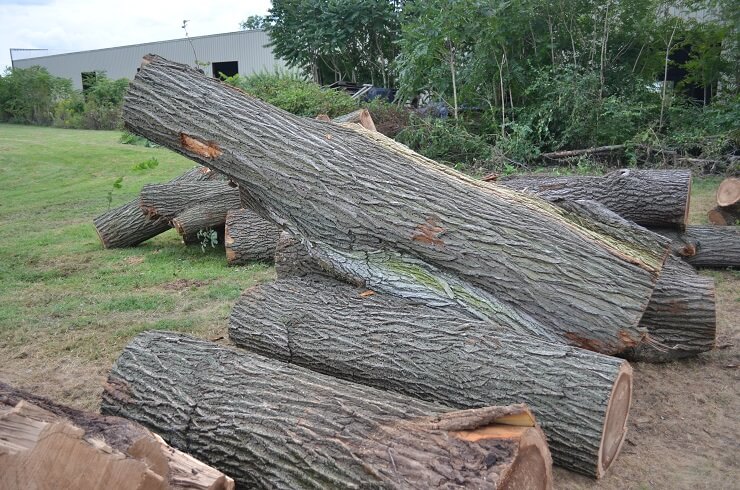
[657, 198]
[249, 237]
[727, 211]
[681, 316]
[706, 246]
[273, 425]
[360, 197]
[581, 398]
[126, 225]
[44, 445]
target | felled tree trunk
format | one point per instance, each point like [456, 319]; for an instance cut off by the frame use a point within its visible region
[581, 398]
[352, 193]
[657, 198]
[126, 225]
[272, 425]
[249, 237]
[727, 211]
[706, 246]
[681, 317]
[171, 200]
[44, 445]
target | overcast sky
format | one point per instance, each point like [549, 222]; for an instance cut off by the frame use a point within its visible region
[78, 25]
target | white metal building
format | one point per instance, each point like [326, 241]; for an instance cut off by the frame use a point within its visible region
[242, 52]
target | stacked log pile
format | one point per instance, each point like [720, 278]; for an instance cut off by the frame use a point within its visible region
[46, 445]
[398, 273]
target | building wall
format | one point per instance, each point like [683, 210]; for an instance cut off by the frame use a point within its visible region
[245, 47]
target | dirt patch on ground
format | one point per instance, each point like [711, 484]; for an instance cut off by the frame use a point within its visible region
[684, 427]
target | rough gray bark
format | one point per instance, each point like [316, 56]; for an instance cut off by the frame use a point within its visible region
[437, 355]
[126, 225]
[44, 445]
[358, 195]
[706, 246]
[171, 200]
[249, 237]
[200, 217]
[273, 425]
[657, 198]
[292, 259]
[681, 317]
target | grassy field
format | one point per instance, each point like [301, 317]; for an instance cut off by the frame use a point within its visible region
[67, 307]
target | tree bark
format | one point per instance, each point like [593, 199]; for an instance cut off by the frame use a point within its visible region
[249, 237]
[657, 198]
[681, 317]
[171, 200]
[581, 398]
[356, 194]
[44, 445]
[272, 425]
[292, 259]
[126, 225]
[706, 246]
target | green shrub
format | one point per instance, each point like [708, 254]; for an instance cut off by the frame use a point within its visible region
[294, 94]
[29, 95]
[445, 140]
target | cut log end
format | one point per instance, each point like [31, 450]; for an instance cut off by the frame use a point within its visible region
[532, 469]
[615, 425]
[728, 193]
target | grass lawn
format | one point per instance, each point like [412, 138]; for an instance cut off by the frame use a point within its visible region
[67, 306]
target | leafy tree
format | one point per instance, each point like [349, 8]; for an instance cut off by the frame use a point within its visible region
[334, 40]
[254, 22]
[28, 95]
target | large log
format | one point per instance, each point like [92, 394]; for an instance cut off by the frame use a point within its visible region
[351, 193]
[657, 198]
[273, 425]
[249, 237]
[681, 317]
[170, 200]
[581, 398]
[706, 246]
[679, 320]
[44, 445]
[126, 225]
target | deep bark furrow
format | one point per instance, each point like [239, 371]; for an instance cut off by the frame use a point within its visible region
[658, 198]
[249, 237]
[706, 246]
[435, 355]
[681, 316]
[273, 425]
[126, 225]
[355, 191]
